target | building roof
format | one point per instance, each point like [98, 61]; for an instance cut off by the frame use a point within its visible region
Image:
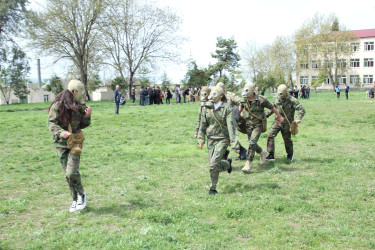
[364, 33]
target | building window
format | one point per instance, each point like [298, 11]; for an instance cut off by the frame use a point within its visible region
[304, 80]
[355, 47]
[329, 64]
[304, 66]
[45, 98]
[368, 62]
[369, 46]
[354, 63]
[341, 79]
[368, 79]
[314, 65]
[341, 63]
[354, 79]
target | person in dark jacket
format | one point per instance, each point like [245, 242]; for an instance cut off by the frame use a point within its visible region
[117, 97]
[157, 95]
[151, 95]
[168, 96]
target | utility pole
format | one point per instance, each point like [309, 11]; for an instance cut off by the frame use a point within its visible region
[39, 74]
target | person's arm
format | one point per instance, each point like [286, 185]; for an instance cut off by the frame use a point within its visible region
[53, 124]
[300, 111]
[202, 130]
[86, 121]
[199, 122]
[232, 130]
[269, 106]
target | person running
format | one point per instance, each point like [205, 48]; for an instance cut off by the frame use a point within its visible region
[67, 115]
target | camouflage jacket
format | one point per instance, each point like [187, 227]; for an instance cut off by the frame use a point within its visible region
[287, 108]
[78, 122]
[257, 108]
[213, 130]
[232, 99]
[201, 110]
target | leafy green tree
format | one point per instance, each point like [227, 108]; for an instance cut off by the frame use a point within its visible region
[227, 56]
[144, 78]
[94, 83]
[14, 70]
[321, 39]
[165, 82]
[69, 29]
[121, 82]
[195, 76]
[12, 13]
[54, 85]
[318, 81]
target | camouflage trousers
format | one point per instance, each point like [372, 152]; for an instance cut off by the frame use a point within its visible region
[216, 151]
[287, 136]
[70, 166]
[253, 134]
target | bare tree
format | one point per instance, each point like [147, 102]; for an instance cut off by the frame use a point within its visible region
[137, 33]
[68, 29]
[283, 58]
[256, 60]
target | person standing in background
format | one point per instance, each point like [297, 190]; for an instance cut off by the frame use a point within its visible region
[346, 91]
[117, 97]
[132, 94]
[337, 91]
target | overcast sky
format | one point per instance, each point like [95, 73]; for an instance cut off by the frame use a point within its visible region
[246, 21]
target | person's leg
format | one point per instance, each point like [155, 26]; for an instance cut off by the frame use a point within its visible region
[216, 152]
[253, 143]
[63, 154]
[287, 136]
[117, 108]
[275, 128]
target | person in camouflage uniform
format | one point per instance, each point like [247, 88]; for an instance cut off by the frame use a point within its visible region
[252, 113]
[204, 93]
[287, 106]
[68, 112]
[218, 125]
[234, 101]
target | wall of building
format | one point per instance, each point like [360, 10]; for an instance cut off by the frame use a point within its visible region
[361, 71]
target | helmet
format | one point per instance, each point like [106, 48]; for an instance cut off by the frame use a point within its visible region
[221, 85]
[77, 85]
[204, 93]
[282, 91]
[248, 90]
[216, 94]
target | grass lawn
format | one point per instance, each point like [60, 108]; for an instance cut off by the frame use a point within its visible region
[147, 182]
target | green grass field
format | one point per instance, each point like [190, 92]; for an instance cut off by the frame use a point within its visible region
[147, 183]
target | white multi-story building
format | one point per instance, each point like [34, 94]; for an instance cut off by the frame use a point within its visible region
[360, 70]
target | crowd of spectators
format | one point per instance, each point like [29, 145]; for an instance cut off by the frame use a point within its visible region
[155, 95]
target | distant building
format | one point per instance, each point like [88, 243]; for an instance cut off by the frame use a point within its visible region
[36, 95]
[360, 66]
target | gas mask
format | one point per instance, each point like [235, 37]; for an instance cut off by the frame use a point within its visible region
[80, 96]
[216, 94]
[205, 93]
[248, 90]
[282, 92]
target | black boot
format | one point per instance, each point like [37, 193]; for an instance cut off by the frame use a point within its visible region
[242, 155]
[212, 192]
[230, 165]
[226, 154]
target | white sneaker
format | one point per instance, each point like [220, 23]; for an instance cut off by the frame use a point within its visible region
[73, 207]
[263, 159]
[81, 201]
